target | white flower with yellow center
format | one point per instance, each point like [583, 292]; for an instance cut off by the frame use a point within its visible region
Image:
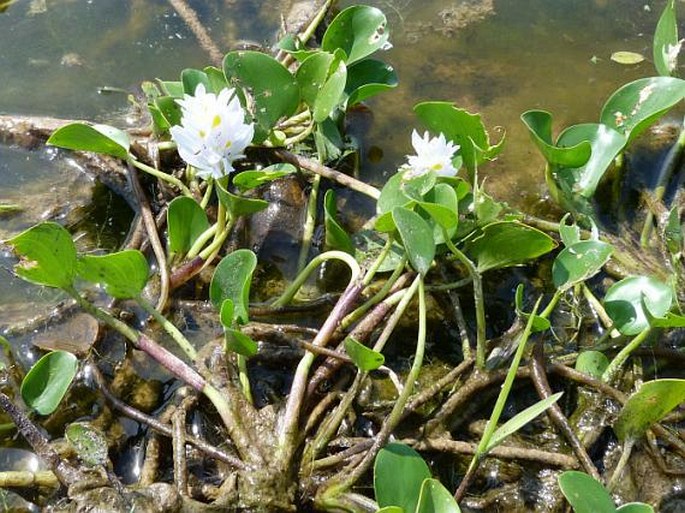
[432, 154]
[213, 132]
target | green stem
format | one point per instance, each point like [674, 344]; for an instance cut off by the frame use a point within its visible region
[224, 227]
[201, 241]
[309, 224]
[478, 300]
[170, 179]
[207, 195]
[290, 292]
[552, 303]
[622, 462]
[244, 378]
[168, 326]
[623, 355]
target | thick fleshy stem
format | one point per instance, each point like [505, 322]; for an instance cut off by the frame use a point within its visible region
[160, 175]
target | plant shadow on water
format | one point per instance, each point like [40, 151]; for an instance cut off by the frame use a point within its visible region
[155, 365]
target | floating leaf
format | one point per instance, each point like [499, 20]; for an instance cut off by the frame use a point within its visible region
[238, 205]
[435, 498]
[507, 243]
[584, 493]
[666, 41]
[48, 380]
[648, 405]
[47, 255]
[417, 237]
[363, 357]
[636, 105]
[186, 221]
[367, 78]
[96, 138]
[539, 124]
[359, 31]
[272, 87]
[336, 236]
[123, 274]
[398, 474]
[88, 442]
[231, 280]
[579, 262]
[627, 58]
[592, 363]
[624, 303]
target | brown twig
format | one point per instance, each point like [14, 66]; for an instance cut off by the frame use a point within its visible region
[195, 25]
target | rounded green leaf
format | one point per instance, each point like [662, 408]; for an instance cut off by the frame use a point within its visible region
[435, 498]
[584, 493]
[123, 274]
[627, 58]
[273, 89]
[442, 204]
[648, 405]
[336, 236]
[248, 180]
[625, 303]
[312, 74]
[359, 31]
[231, 280]
[666, 41]
[47, 255]
[592, 363]
[398, 474]
[605, 142]
[48, 380]
[191, 78]
[636, 105]
[367, 78]
[96, 138]
[365, 358]
[88, 442]
[507, 243]
[186, 221]
[239, 205]
[539, 124]
[579, 262]
[417, 238]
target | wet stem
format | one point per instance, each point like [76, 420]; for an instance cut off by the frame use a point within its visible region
[160, 175]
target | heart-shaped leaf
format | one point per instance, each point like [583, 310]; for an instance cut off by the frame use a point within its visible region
[507, 243]
[539, 124]
[48, 380]
[47, 255]
[417, 237]
[123, 274]
[365, 358]
[435, 498]
[231, 280]
[584, 493]
[96, 138]
[624, 302]
[579, 262]
[186, 221]
[359, 31]
[272, 87]
[666, 46]
[398, 474]
[648, 405]
[636, 105]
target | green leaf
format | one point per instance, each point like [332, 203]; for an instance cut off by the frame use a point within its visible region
[48, 380]
[231, 280]
[392, 196]
[248, 180]
[390, 509]
[606, 144]
[186, 221]
[665, 38]
[47, 255]
[417, 237]
[570, 234]
[670, 320]
[172, 88]
[673, 233]
[592, 363]
[507, 243]
[648, 405]
[539, 323]
[369, 244]
[624, 302]
[579, 262]
[635, 507]
[312, 74]
[539, 124]
[519, 420]
[274, 91]
[238, 205]
[216, 79]
[627, 58]
[359, 31]
[191, 78]
[237, 342]
[398, 474]
[435, 498]
[461, 127]
[365, 358]
[336, 236]
[636, 105]
[584, 493]
[368, 78]
[88, 442]
[123, 274]
[330, 96]
[96, 138]
[169, 110]
[442, 205]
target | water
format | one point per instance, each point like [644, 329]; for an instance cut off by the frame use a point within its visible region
[498, 58]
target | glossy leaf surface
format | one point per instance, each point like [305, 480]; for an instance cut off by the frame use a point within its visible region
[579, 262]
[231, 280]
[123, 274]
[48, 380]
[417, 237]
[665, 39]
[584, 493]
[336, 236]
[593, 363]
[435, 498]
[96, 138]
[624, 302]
[248, 180]
[238, 205]
[539, 124]
[398, 474]
[365, 358]
[368, 78]
[359, 31]
[186, 221]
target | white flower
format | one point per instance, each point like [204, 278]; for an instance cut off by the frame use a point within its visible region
[432, 154]
[213, 132]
